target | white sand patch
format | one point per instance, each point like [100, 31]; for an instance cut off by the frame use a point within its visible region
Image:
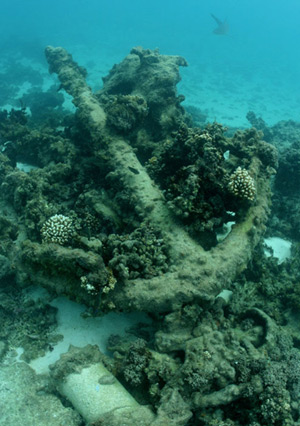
[278, 247]
[79, 331]
[24, 167]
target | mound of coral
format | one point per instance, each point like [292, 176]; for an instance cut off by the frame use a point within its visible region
[120, 206]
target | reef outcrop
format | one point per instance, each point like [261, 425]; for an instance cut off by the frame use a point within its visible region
[141, 91]
[127, 206]
[144, 194]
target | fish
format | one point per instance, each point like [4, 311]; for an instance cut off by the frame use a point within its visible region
[222, 28]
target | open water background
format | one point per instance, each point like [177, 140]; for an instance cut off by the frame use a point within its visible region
[254, 67]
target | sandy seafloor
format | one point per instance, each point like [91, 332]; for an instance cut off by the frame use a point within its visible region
[227, 99]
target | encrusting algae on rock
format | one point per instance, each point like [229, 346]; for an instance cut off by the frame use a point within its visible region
[195, 276]
[122, 213]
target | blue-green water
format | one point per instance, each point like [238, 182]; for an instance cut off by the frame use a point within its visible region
[255, 66]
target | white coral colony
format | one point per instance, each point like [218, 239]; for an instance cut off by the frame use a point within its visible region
[57, 229]
[242, 184]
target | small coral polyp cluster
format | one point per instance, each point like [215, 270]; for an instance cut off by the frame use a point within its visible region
[57, 229]
[242, 184]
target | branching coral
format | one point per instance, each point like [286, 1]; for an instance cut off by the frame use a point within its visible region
[142, 253]
[242, 185]
[58, 229]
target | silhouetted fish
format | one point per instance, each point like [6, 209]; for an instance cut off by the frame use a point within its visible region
[222, 28]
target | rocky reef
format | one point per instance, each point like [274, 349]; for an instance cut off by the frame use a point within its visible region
[141, 194]
[122, 209]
